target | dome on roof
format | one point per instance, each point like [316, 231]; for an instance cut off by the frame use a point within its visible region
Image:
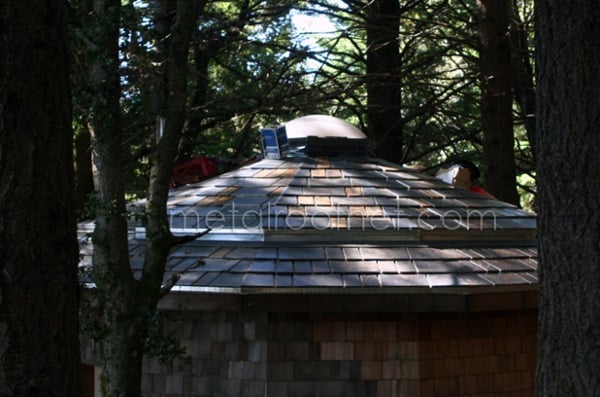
[321, 126]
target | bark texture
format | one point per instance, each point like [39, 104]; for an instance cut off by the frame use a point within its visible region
[84, 174]
[122, 330]
[39, 350]
[127, 304]
[522, 76]
[496, 99]
[159, 240]
[568, 170]
[383, 82]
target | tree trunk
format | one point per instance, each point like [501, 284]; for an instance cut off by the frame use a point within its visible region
[522, 77]
[84, 175]
[122, 345]
[202, 54]
[568, 137]
[123, 341]
[159, 240]
[382, 18]
[163, 15]
[125, 302]
[496, 100]
[39, 350]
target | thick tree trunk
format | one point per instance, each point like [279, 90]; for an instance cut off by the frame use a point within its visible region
[382, 18]
[496, 100]
[123, 341]
[39, 353]
[568, 170]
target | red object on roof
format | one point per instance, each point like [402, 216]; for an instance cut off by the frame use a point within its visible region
[481, 191]
[193, 171]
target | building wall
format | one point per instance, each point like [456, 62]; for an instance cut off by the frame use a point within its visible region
[251, 353]
[489, 354]
[227, 354]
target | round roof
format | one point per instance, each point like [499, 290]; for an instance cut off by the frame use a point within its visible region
[321, 126]
[340, 224]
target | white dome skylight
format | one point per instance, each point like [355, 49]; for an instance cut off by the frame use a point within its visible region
[321, 126]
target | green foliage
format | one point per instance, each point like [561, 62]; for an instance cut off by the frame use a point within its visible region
[250, 66]
[526, 185]
[161, 344]
[108, 209]
[89, 323]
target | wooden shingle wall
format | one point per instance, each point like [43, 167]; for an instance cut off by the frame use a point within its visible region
[349, 355]
[226, 356]
[490, 354]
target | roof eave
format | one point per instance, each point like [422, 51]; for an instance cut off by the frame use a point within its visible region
[372, 300]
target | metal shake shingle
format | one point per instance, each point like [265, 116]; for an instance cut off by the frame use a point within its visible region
[341, 223]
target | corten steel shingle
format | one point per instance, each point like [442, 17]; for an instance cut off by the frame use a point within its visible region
[340, 223]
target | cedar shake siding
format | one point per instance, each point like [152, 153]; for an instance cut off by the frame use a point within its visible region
[253, 353]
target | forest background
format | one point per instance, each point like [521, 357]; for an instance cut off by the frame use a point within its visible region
[428, 81]
[160, 82]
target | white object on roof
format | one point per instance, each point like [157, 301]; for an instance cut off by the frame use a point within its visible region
[455, 175]
[321, 126]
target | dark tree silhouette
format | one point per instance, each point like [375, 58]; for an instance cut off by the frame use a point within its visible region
[39, 351]
[568, 169]
[382, 20]
[496, 99]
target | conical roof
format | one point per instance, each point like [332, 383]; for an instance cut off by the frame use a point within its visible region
[348, 223]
